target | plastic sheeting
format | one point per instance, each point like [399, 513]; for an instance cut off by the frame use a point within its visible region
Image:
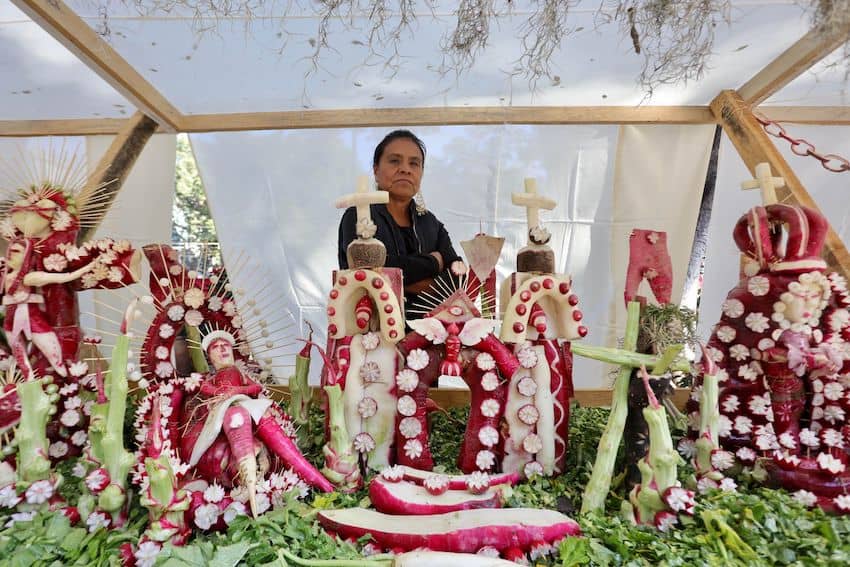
[271, 195]
[267, 69]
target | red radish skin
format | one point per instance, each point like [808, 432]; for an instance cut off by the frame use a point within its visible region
[408, 499]
[465, 531]
[471, 445]
[446, 559]
[457, 482]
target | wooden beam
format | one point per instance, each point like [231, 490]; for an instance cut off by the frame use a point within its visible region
[113, 168]
[71, 127]
[457, 397]
[820, 115]
[754, 147]
[57, 19]
[792, 63]
[439, 116]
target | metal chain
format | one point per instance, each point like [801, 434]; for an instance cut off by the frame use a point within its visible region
[802, 147]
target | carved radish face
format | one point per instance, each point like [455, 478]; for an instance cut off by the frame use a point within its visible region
[801, 302]
[220, 353]
[33, 218]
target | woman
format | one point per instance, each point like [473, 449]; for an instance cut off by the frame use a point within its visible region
[416, 241]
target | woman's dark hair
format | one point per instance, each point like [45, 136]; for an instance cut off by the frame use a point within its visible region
[395, 135]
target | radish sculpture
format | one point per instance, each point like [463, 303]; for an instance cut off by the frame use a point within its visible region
[365, 321]
[540, 318]
[215, 444]
[781, 349]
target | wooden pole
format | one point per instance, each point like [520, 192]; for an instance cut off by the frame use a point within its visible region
[113, 168]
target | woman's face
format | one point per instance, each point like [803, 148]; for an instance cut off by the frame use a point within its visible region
[399, 170]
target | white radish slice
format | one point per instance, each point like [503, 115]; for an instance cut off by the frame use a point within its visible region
[465, 531]
[406, 498]
[527, 386]
[528, 414]
[459, 481]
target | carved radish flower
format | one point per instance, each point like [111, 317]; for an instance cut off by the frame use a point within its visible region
[490, 408]
[436, 484]
[805, 498]
[832, 438]
[739, 352]
[757, 322]
[194, 297]
[527, 357]
[406, 406]
[97, 480]
[370, 341]
[478, 482]
[413, 449]
[488, 436]
[162, 352]
[407, 380]
[833, 391]
[489, 382]
[485, 361]
[759, 405]
[410, 427]
[726, 334]
[758, 286]
[722, 460]
[55, 263]
[828, 463]
[418, 359]
[743, 424]
[214, 493]
[485, 460]
[8, 496]
[730, 404]
[665, 521]
[809, 438]
[363, 443]
[528, 414]
[527, 386]
[532, 443]
[532, 468]
[746, 455]
[165, 331]
[367, 407]
[680, 499]
[393, 474]
[833, 414]
[58, 449]
[176, 312]
[788, 440]
[194, 318]
[686, 447]
[733, 308]
[370, 372]
[78, 369]
[842, 502]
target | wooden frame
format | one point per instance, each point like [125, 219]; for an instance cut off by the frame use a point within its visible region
[57, 19]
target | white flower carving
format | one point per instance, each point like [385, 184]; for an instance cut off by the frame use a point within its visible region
[407, 380]
[747, 373]
[176, 312]
[726, 334]
[370, 340]
[214, 303]
[164, 369]
[9, 497]
[363, 443]
[532, 468]
[418, 359]
[39, 492]
[78, 369]
[528, 414]
[490, 408]
[55, 263]
[79, 438]
[194, 318]
[406, 406]
[393, 474]
[532, 443]
[162, 352]
[206, 516]
[61, 220]
[743, 424]
[833, 414]
[731, 404]
[526, 356]
[70, 418]
[370, 372]
[759, 405]
[214, 493]
[842, 502]
[758, 285]
[832, 438]
[367, 407]
[165, 330]
[833, 391]
[828, 463]
[739, 352]
[809, 438]
[97, 520]
[765, 344]
[410, 427]
[527, 386]
[147, 553]
[757, 322]
[485, 460]
[58, 449]
[485, 361]
[489, 381]
[722, 460]
[686, 447]
[413, 449]
[733, 308]
[787, 440]
[746, 455]
[194, 297]
[488, 436]
[724, 426]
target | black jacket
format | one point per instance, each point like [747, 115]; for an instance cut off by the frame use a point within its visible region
[416, 265]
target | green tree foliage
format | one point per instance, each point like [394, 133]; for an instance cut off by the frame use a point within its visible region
[192, 229]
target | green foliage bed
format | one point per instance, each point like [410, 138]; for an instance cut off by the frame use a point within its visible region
[755, 526]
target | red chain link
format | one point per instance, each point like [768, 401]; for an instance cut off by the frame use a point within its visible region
[802, 147]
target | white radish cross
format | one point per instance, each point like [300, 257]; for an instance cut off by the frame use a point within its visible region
[766, 182]
[532, 202]
[361, 199]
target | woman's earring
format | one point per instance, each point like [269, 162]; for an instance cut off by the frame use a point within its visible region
[419, 200]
